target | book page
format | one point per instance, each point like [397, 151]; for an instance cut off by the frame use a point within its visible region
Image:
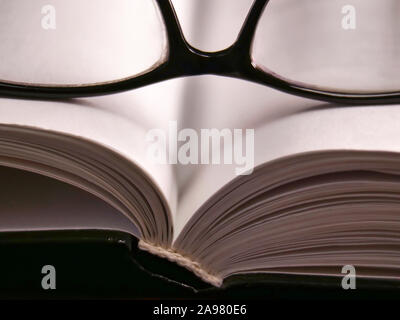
[53, 205]
[119, 122]
[283, 125]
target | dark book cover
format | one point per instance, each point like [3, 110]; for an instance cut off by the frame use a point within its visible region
[108, 264]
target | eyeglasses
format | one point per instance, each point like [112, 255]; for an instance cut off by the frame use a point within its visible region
[323, 50]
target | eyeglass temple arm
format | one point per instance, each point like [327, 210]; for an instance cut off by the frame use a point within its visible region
[245, 38]
[176, 39]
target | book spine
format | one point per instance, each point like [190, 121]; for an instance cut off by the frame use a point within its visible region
[183, 261]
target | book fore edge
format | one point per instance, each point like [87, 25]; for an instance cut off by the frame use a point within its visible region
[181, 260]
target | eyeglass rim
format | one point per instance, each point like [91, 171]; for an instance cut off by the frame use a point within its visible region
[185, 60]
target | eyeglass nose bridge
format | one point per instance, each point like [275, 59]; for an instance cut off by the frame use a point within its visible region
[191, 61]
[185, 60]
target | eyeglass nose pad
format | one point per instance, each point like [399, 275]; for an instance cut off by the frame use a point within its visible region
[211, 25]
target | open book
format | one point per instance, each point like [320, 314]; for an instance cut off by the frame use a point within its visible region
[323, 193]
[319, 190]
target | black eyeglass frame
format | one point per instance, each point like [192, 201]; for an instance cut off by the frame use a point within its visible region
[185, 60]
